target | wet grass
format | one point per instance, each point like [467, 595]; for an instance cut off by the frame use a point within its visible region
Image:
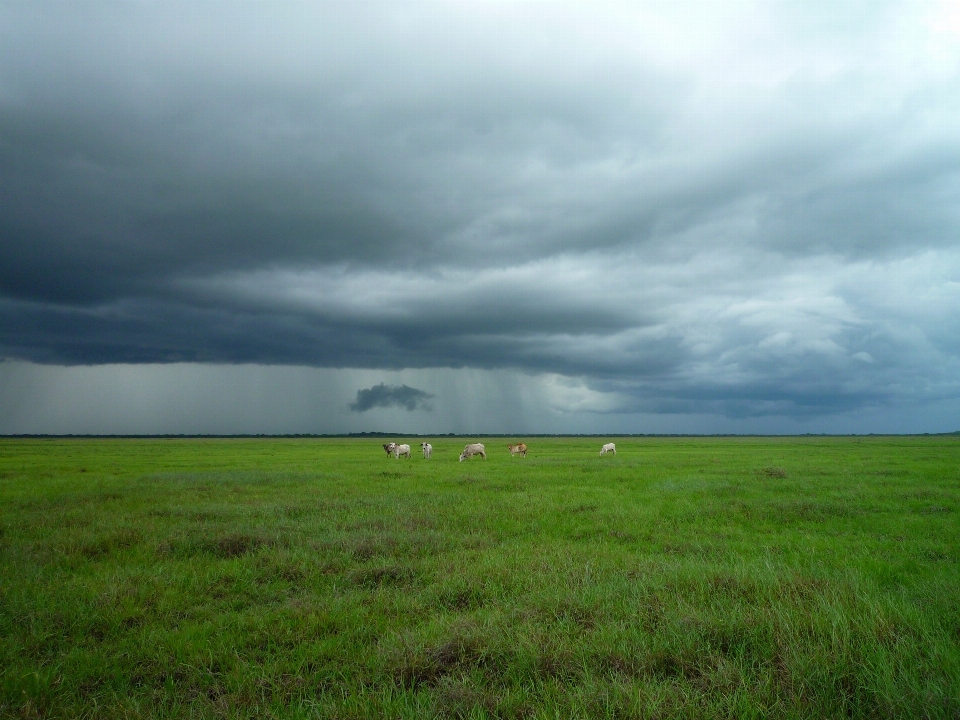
[750, 577]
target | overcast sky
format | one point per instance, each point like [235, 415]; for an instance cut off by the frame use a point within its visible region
[479, 217]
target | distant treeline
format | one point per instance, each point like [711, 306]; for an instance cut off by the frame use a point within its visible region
[473, 435]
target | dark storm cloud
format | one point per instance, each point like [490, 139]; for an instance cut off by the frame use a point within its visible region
[688, 215]
[385, 396]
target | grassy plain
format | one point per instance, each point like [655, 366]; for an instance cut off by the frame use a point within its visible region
[709, 577]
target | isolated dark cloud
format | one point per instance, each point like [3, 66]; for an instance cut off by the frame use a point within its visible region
[385, 396]
[741, 215]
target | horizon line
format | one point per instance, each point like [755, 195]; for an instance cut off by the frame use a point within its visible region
[378, 434]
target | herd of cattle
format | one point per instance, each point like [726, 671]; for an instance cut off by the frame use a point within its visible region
[472, 449]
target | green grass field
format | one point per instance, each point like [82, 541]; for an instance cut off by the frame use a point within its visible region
[713, 577]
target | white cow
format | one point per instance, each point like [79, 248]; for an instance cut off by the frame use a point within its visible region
[402, 450]
[473, 449]
[608, 448]
[427, 450]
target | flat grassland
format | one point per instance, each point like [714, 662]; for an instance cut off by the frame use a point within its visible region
[685, 577]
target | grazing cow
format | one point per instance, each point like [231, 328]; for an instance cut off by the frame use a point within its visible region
[608, 448]
[518, 449]
[402, 450]
[427, 450]
[473, 449]
[390, 447]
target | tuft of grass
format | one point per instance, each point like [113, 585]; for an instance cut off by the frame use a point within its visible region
[774, 472]
[381, 575]
[231, 544]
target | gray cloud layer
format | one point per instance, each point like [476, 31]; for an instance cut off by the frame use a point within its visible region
[696, 208]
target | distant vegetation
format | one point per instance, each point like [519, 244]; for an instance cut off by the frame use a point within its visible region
[721, 577]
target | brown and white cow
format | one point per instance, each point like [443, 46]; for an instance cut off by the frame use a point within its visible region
[390, 447]
[518, 449]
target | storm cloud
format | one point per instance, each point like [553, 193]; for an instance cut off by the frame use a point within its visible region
[732, 209]
[385, 396]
